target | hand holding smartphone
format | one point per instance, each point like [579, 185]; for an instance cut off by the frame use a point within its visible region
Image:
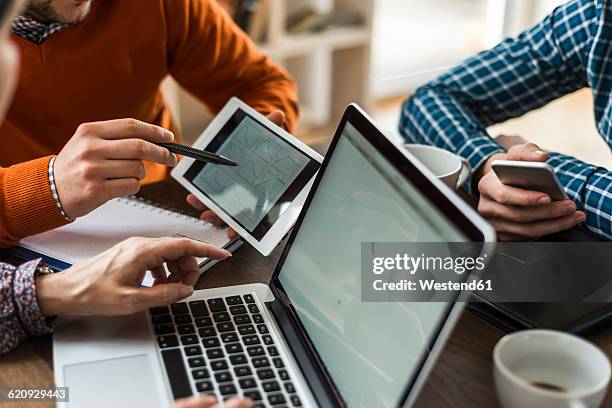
[534, 176]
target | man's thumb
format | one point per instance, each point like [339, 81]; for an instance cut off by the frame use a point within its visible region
[527, 152]
[163, 294]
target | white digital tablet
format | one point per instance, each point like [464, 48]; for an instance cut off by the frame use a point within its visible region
[262, 197]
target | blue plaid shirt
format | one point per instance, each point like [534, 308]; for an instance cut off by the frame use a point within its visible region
[569, 50]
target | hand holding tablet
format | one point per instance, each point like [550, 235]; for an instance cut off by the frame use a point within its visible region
[262, 197]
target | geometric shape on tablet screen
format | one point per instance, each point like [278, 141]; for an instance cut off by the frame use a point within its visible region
[248, 136]
[287, 165]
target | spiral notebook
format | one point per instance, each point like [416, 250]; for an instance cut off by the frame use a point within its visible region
[118, 220]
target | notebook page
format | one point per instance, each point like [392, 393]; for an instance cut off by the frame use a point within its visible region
[116, 221]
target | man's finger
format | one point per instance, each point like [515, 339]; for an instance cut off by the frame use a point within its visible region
[137, 149]
[492, 188]
[172, 249]
[277, 117]
[539, 228]
[211, 217]
[238, 403]
[195, 203]
[159, 295]
[202, 401]
[557, 209]
[527, 152]
[129, 129]
[116, 169]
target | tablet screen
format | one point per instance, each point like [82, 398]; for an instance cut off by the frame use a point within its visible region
[271, 172]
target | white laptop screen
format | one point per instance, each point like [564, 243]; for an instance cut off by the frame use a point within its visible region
[371, 350]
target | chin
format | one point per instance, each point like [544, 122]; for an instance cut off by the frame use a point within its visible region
[77, 12]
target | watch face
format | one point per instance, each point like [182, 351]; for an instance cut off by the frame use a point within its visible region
[43, 268]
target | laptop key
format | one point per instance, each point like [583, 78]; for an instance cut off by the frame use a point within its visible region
[200, 374]
[161, 319]
[186, 329]
[265, 374]
[273, 351]
[179, 308]
[162, 329]
[204, 321]
[261, 362]
[233, 300]
[289, 388]
[177, 373]
[249, 298]
[246, 383]
[159, 310]
[255, 351]
[238, 309]
[267, 339]
[295, 400]
[233, 348]
[207, 332]
[242, 371]
[223, 376]
[229, 337]
[251, 340]
[247, 329]
[167, 341]
[198, 308]
[284, 375]
[196, 362]
[182, 319]
[204, 386]
[221, 317]
[254, 395]
[253, 308]
[225, 327]
[216, 305]
[214, 353]
[218, 365]
[193, 351]
[226, 389]
[278, 362]
[210, 342]
[242, 319]
[270, 386]
[263, 329]
[257, 318]
[189, 339]
[276, 399]
[237, 359]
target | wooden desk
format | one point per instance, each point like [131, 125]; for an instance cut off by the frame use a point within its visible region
[462, 376]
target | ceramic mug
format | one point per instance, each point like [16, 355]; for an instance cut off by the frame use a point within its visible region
[451, 169]
[549, 369]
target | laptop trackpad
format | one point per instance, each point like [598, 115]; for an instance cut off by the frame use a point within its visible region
[120, 382]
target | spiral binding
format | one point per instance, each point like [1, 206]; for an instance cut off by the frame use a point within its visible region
[160, 209]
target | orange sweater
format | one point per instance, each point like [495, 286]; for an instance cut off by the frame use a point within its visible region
[110, 66]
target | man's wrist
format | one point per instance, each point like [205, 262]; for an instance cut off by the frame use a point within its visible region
[486, 166]
[54, 294]
[54, 191]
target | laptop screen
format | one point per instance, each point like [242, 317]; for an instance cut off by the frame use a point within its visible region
[371, 350]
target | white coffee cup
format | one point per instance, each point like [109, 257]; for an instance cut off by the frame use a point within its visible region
[451, 169]
[549, 369]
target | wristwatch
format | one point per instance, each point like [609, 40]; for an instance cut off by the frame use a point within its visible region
[44, 269]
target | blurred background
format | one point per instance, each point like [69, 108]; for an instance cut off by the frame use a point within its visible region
[377, 52]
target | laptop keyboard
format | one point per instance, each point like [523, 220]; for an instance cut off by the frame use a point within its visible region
[222, 347]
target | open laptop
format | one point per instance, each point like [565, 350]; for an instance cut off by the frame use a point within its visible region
[306, 339]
